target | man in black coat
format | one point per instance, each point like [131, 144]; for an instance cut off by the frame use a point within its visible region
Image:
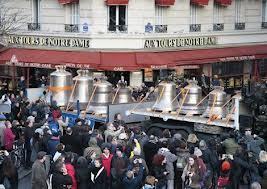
[28, 134]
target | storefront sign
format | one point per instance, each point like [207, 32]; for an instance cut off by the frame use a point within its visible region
[237, 58]
[180, 42]
[48, 41]
[49, 66]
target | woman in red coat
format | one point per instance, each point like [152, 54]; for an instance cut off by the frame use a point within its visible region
[70, 169]
[9, 136]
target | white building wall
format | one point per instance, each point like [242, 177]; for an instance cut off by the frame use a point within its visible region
[53, 16]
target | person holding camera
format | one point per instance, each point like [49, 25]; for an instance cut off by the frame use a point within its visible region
[160, 172]
[191, 174]
[133, 177]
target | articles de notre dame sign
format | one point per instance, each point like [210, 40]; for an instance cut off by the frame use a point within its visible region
[48, 41]
[180, 42]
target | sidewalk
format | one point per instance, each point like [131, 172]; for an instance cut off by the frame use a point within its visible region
[23, 172]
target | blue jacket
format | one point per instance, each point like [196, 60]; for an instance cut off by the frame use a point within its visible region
[52, 144]
[133, 183]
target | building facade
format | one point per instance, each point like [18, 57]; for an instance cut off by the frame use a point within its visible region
[223, 37]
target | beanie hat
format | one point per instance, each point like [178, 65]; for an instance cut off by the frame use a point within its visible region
[226, 166]
[197, 152]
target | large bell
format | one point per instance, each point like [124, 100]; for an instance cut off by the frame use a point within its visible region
[83, 83]
[123, 95]
[217, 99]
[193, 96]
[102, 97]
[165, 101]
[61, 85]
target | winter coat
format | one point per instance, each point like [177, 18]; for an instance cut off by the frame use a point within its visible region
[52, 144]
[100, 178]
[135, 182]
[60, 181]
[150, 149]
[264, 182]
[71, 173]
[182, 155]
[106, 162]
[210, 159]
[230, 146]
[195, 179]
[83, 177]
[112, 133]
[28, 134]
[2, 128]
[262, 167]
[254, 144]
[171, 158]
[9, 139]
[38, 175]
[159, 174]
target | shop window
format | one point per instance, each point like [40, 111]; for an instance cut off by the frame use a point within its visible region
[239, 15]
[217, 17]
[73, 17]
[264, 14]
[194, 26]
[35, 24]
[117, 15]
[160, 26]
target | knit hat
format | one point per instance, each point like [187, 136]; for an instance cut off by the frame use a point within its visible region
[192, 138]
[177, 136]
[226, 166]
[197, 152]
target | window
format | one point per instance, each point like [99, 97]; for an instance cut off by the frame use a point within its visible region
[160, 26]
[74, 13]
[264, 13]
[36, 11]
[194, 27]
[239, 14]
[35, 23]
[117, 18]
[72, 17]
[217, 17]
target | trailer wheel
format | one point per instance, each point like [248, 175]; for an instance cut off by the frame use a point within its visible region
[154, 131]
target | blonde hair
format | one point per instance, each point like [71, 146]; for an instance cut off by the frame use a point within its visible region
[263, 156]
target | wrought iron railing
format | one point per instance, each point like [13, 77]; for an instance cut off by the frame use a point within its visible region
[161, 28]
[71, 28]
[34, 26]
[240, 26]
[264, 25]
[117, 28]
[218, 27]
[195, 28]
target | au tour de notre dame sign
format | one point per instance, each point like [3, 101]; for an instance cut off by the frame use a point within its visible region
[180, 42]
[48, 41]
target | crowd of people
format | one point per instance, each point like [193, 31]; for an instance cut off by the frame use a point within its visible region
[116, 156]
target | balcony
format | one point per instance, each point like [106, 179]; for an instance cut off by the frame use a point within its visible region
[161, 28]
[71, 28]
[218, 27]
[240, 26]
[118, 28]
[195, 28]
[264, 25]
[34, 27]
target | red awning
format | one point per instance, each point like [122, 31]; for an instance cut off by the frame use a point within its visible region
[118, 61]
[63, 2]
[200, 56]
[117, 2]
[224, 2]
[50, 58]
[200, 2]
[164, 2]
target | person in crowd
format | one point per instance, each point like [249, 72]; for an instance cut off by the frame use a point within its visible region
[205, 83]
[192, 141]
[60, 149]
[28, 134]
[98, 175]
[215, 82]
[150, 149]
[111, 131]
[170, 159]
[150, 182]
[9, 136]
[10, 173]
[159, 170]
[52, 144]
[191, 174]
[42, 81]
[230, 144]
[38, 172]
[82, 173]
[106, 158]
[262, 162]
[60, 177]
[92, 146]
[69, 160]
[62, 124]
[68, 139]
[133, 178]
[22, 84]
[118, 122]
[264, 179]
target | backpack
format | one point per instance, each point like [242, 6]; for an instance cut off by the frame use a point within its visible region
[54, 127]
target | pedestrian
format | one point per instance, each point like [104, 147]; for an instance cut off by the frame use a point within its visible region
[106, 158]
[9, 136]
[38, 172]
[82, 173]
[133, 178]
[60, 177]
[69, 159]
[10, 174]
[159, 170]
[98, 175]
[28, 134]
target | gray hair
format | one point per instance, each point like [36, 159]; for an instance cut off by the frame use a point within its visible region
[255, 185]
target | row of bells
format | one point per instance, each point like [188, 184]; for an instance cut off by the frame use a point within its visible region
[189, 100]
[66, 89]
